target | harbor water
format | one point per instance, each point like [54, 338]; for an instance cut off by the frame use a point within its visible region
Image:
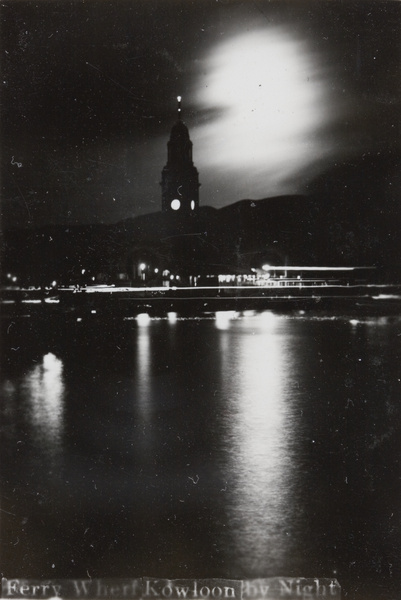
[238, 445]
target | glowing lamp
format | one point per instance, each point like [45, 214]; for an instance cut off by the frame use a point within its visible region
[143, 319]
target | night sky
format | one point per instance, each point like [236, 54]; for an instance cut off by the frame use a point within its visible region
[275, 95]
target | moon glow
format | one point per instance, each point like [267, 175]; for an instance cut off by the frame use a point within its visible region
[271, 99]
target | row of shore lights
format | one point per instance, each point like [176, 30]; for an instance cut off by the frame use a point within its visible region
[143, 267]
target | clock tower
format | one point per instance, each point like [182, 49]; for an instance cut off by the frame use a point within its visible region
[180, 178]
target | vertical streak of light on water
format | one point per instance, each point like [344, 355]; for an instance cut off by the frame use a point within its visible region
[143, 387]
[257, 431]
[43, 388]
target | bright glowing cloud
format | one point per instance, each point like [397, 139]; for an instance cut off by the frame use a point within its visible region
[271, 101]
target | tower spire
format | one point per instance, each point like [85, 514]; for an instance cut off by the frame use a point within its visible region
[180, 179]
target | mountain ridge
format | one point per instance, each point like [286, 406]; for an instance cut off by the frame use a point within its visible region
[289, 229]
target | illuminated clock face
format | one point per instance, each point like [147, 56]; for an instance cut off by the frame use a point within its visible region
[175, 204]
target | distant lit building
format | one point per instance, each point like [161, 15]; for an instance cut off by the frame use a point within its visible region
[180, 178]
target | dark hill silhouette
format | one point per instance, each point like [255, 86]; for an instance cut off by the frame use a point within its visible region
[359, 211]
[325, 228]
[280, 226]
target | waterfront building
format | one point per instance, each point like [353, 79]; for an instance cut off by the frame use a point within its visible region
[180, 178]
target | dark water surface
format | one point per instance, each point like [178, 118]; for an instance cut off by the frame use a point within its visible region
[242, 447]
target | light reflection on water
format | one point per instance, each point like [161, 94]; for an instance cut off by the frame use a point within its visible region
[44, 390]
[276, 420]
[42, 393]
[223, 318]
[257, 430]
[142, 369]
